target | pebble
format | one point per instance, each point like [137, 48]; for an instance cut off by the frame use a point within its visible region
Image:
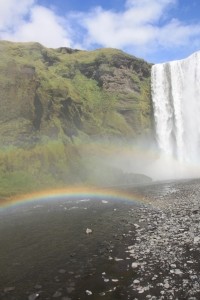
[9, 289]
[57, 294]
[137, 226]
[38, 286]
[70, 289]
[178, 272]
[88, 292]
[33, 296]
[115, 280]
[62, 271]
[136, 281]
[134, 265]
[104, 202]
[196, 240]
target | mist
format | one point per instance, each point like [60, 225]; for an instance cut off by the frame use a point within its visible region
[141, 157]
[173, 150]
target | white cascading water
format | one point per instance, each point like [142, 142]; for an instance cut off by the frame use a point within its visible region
[176, 103]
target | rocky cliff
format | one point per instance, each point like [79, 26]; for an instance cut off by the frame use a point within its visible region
[64, 92]
[53, 100]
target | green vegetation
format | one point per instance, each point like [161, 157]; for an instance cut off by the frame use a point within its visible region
[47, 165]
[55, 100]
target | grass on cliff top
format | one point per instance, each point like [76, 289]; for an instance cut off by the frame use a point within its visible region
[44, 59]
[32, 51]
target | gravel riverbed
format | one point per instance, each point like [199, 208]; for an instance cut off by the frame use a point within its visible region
[167, 247]
[104, 249]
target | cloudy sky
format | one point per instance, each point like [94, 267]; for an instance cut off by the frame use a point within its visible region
[156, 30]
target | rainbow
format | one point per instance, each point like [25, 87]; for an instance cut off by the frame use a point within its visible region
[73, 193]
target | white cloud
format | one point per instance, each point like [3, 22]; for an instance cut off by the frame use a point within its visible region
[12, 12]
[44, 27]
[117, 30]
[141, 27]
[145, 11]
[24, 20]
[175, 34]
[144, 26]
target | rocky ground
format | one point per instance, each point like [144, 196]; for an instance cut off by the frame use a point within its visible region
[109, 250]
[167, 247]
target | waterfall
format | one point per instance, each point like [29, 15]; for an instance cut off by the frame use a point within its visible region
[176, 103]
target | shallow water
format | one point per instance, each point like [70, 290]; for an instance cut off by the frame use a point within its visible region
[45, 248]
[45, 252]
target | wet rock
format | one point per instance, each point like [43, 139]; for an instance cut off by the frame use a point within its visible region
[33, 296]
[118, 259]
[170, 240]
[178, 272]
[134, 265]
[196, 240]
[62, 271]
[104, 202]
[88, 231]
[57, 294]
[137, 226]
[9, 289]
[38, 286]
[89, 293]
[136, 281]
[166, 285]
[70, 289]
[56, 278]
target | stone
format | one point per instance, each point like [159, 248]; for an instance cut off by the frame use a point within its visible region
[88, 231]
[9, 289]
[33, 296]
[196, 240]
[57, 294]
[136, 281]
[134, 265]
[88, 292]
[62, 271]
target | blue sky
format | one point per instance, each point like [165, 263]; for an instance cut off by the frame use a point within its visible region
[155, 30]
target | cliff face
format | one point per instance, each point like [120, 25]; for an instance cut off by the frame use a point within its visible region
[54, 103]
[65, 93]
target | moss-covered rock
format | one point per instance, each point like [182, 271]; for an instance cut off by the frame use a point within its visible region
[62, 92]
[52, 101]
